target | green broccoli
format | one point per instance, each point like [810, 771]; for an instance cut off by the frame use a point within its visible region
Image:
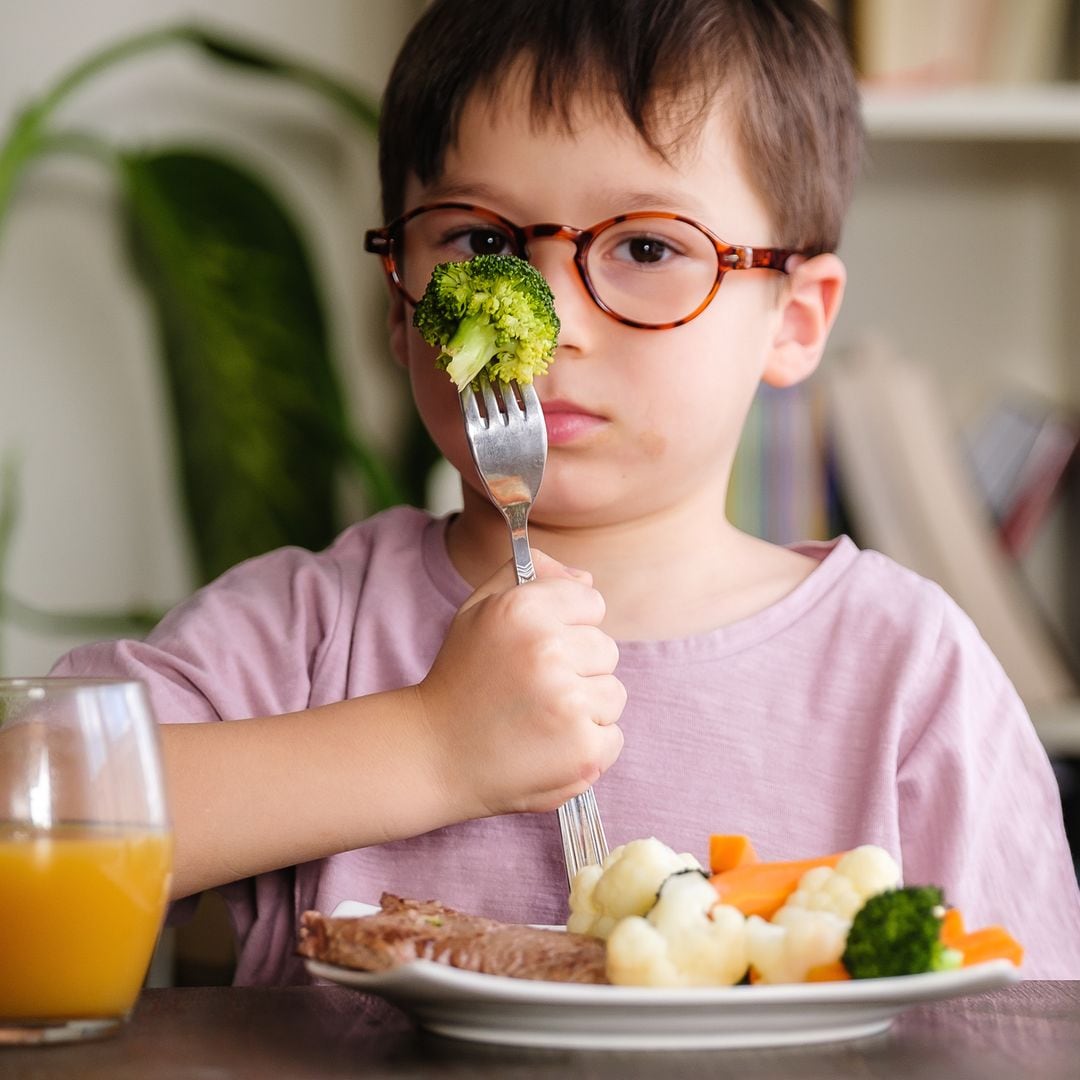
[493, 313]
[898, 932]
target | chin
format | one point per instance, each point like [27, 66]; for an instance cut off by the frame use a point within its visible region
[576, 512]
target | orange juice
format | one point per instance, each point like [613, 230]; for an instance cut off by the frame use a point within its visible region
[80, 909]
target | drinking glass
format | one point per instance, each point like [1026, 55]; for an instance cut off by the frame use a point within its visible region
[85, 855]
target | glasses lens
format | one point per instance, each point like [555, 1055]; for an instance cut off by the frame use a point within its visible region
[446, 235]
[652, 270]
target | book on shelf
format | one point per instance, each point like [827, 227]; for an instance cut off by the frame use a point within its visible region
[779, 488]
[909, 492]
[928, 42]
[918, 41]
[1020, 453]
[1028, 41]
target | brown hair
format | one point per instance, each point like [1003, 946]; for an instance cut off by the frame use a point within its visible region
[780, 66]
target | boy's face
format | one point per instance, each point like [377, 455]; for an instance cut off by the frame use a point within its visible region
[639, 420]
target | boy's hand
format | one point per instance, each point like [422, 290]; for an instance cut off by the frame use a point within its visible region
[521, 702]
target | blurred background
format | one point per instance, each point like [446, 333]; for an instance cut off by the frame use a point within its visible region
[87, 417]
[187, 211]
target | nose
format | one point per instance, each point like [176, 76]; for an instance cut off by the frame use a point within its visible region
[554, 258]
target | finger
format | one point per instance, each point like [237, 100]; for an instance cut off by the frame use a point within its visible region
[571, 602]
[590, 650]
[546, 567]
[609, 744]
[504, 578]
[549, 605]
[609, 699]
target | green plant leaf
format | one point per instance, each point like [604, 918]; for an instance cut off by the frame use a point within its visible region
[258, 412]
[260, 423]
[355, 104]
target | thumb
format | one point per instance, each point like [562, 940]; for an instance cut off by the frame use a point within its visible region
[547, 567]
[506, 576]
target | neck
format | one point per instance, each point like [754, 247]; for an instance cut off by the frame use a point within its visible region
[673, 572]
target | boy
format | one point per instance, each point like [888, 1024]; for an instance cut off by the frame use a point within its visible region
[410, 718]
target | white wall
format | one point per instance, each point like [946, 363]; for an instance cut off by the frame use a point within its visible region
[80, 382]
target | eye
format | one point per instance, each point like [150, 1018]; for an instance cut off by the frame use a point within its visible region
[470, 240]
[487, 242]
[641, 249]
[646, 249]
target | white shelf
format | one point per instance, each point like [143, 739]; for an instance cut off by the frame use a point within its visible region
[1049, 112]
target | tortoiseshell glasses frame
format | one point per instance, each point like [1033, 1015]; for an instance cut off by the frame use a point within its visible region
[387, 241]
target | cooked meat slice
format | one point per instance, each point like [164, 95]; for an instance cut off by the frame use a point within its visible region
[407, 930]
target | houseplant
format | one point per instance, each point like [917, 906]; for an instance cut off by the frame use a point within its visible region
[257, 413]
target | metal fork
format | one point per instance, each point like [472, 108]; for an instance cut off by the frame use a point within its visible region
[508, 443]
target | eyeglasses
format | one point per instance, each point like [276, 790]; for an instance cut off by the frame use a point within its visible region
[651, 269]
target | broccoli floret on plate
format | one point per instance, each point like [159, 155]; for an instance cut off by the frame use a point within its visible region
[898, 932]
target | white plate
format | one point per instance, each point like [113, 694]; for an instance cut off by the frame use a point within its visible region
[523, 1012]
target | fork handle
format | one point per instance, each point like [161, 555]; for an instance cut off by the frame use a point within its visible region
[523, 563]
[582, 832]
[517, 517]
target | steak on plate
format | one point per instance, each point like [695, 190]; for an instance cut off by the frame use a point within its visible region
[406, 930]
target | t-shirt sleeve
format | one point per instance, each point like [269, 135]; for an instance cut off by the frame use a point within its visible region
[246, 645]
[980, 809]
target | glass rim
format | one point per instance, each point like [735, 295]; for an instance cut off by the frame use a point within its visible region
[43, 684]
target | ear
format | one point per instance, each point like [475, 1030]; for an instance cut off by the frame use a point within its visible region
[398, 320]
[809, 306]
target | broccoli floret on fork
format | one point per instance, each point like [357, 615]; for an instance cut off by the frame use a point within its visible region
[492, 314]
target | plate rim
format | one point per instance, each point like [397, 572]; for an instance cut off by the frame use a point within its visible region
[407, 979]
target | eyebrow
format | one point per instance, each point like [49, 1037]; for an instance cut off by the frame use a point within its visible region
[623, 200]
[462, 190]
[660, 199]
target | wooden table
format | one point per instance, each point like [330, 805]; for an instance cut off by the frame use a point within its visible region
[1030, 1031]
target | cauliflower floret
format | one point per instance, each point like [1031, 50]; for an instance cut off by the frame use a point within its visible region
[637, 955]
[871, 869]
[627, 884]
[687, 939]
[811, 928]
[784, 950]
[860, 874]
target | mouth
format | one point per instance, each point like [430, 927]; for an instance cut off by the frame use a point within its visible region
[567, 421]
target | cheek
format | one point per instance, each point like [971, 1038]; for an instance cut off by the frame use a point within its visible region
[653, 445]
[436, 402]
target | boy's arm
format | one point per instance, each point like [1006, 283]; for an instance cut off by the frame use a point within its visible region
[980, 810]
[248, 796]
[516, 713]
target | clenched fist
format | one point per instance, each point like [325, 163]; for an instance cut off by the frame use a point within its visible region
[521, 702]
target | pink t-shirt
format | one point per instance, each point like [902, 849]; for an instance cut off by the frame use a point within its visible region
[861, 708]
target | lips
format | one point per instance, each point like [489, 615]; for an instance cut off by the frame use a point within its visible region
[566, 421]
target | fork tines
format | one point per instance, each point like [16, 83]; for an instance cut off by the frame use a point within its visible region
[505, 405]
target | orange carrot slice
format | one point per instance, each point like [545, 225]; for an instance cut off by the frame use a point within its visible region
[727, 852]
[834, 972]
[761, 888]
[979, 946]
[952, 929]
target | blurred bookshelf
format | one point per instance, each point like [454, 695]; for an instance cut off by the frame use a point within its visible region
[963, 256]
[972, 111]
[960, 42]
